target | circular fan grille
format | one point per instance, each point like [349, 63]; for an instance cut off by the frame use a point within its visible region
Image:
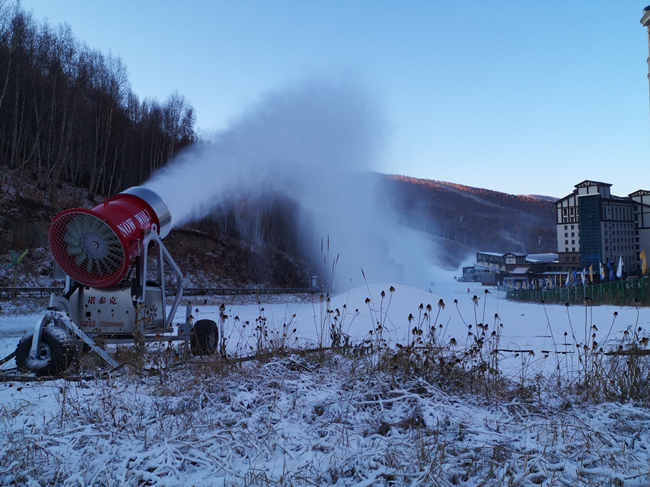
[87, 249]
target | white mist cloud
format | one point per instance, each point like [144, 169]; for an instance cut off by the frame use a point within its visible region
[316, 142]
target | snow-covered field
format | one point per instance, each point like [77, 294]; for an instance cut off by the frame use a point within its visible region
[354, 418]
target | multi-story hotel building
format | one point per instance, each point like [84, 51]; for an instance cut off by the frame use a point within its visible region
[594, 226]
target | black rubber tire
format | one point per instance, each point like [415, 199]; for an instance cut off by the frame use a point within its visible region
[55, 352]
[204, 338]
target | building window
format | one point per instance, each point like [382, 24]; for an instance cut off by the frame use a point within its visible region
[572, 227]
[567, 259]
[573, 242]
[573, 249]
[566, 242]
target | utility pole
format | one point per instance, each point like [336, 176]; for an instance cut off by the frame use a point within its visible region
[645, 22]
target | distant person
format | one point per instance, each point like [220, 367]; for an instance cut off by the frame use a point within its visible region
[467, 290]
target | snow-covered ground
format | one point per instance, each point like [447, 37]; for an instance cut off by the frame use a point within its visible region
[341, 419]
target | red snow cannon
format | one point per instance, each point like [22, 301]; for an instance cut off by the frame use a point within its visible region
[94, 247]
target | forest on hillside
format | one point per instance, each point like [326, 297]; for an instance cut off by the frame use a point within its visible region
[479, 218]
[68, 115]
[67, 112]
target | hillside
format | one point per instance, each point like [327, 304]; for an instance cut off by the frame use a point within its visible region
[459, 219]
[477, 219]
[208, 258]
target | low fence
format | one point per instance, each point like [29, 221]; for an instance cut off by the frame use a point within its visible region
[25, 292]
[44, 292]
[630, 292]
[245, 291]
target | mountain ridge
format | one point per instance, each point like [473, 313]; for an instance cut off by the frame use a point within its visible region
[480, 218]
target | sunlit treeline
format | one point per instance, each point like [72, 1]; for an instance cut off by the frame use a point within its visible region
[476, 217]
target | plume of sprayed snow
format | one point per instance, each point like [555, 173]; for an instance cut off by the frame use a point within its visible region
[316, 142]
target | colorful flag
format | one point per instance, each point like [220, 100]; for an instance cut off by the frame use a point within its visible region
[591, 273]
[611, 272]
[602, 271]
[575, 278]
[584, 280]
[644, 264]
[568, 282]
[619, 269]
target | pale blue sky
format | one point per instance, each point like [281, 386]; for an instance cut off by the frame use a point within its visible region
[524, 96]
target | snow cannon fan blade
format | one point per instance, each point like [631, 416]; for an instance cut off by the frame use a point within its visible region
[94, 247]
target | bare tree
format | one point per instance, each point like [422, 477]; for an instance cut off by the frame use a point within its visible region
[67, 112]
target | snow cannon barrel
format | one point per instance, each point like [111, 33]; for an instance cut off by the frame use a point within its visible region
[94, 247]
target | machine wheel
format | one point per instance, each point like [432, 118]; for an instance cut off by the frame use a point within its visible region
[55, 352]
[204, 337]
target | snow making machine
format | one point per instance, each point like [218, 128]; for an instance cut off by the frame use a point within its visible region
[116, 267]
